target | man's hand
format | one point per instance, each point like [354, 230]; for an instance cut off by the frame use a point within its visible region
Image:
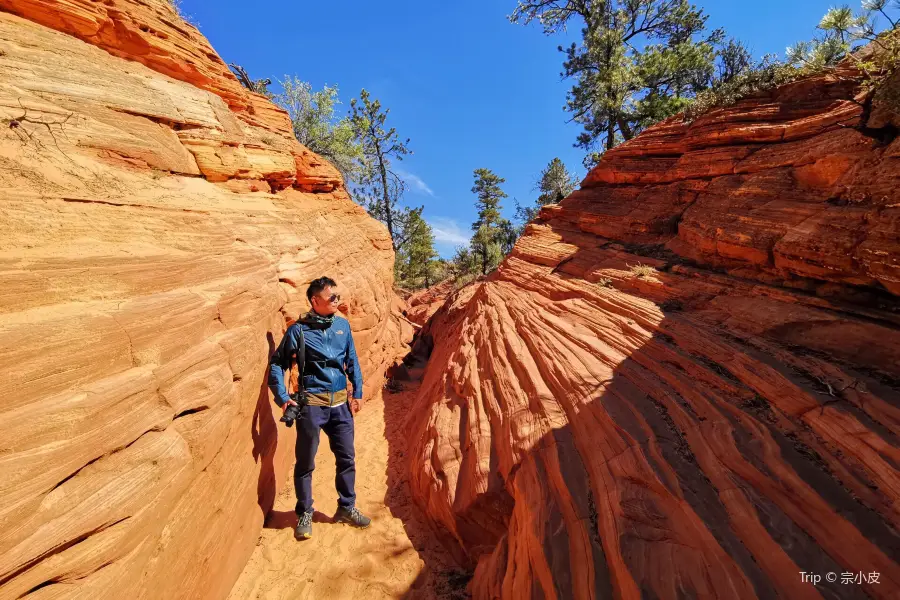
[286, 404]
[354, 405]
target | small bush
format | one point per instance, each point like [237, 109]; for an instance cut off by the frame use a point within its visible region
[392, 386]
[842, 35]
[176, 6]
[671, 305]
[605, 282]
[642, 270]
[464, 280]
[769, 73]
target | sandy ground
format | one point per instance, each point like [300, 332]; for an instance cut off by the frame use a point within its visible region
[398, 556]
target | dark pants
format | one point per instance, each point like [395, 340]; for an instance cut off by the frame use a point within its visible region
[337, 421]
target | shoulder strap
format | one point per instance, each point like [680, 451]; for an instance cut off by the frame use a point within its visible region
[301, 358]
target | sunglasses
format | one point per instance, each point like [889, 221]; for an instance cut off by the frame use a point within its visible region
[334, 298]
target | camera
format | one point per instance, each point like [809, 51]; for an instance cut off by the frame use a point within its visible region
[292, 412]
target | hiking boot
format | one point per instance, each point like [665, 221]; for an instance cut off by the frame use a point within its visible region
[352, 516]
[304, 526]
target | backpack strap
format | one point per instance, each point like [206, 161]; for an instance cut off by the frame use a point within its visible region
[301, 364]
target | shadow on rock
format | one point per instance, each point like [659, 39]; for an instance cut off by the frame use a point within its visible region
[264, 432]
[679, 474]
[447, 571]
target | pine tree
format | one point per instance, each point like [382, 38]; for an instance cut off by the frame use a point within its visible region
[639, 61]
[555, 183]
[733, 60]
[492, 239]
[414, 262]
[379, 187]
[464, 263]
[507, 237]
[840, 29]
[436, 271]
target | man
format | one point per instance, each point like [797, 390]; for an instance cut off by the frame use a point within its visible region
[329, 357]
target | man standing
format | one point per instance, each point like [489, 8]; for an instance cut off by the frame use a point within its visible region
[329, 357]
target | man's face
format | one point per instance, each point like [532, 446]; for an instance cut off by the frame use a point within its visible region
[327, 301]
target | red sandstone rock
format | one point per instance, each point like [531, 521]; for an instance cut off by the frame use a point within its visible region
[728, 192]
[424, 303]
[146, 273]
[685, 380]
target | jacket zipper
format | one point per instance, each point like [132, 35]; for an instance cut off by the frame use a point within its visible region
[328, 341]
[328, 354]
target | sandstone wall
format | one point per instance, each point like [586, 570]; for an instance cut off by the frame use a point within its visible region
[685, 380]
[158, 227]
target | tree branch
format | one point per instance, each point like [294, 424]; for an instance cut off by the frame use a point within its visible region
[889, 20]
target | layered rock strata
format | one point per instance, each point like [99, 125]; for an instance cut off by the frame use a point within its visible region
[422, 304]
[158, 228]
[685, 379]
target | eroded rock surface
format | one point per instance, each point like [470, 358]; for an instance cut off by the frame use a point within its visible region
[422, 304]
[158, 228]
[685, 380]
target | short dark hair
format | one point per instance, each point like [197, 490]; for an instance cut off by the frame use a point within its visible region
[318, 285]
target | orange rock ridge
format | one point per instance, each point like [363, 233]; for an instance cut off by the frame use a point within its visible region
[422, 304]
[158, 229]
[685, 379]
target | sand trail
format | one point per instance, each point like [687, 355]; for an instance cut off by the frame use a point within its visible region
[398, 556]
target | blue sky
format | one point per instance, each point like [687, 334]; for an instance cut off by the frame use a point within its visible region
[469, 88]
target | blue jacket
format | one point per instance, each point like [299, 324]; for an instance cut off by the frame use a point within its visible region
[330, 357]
